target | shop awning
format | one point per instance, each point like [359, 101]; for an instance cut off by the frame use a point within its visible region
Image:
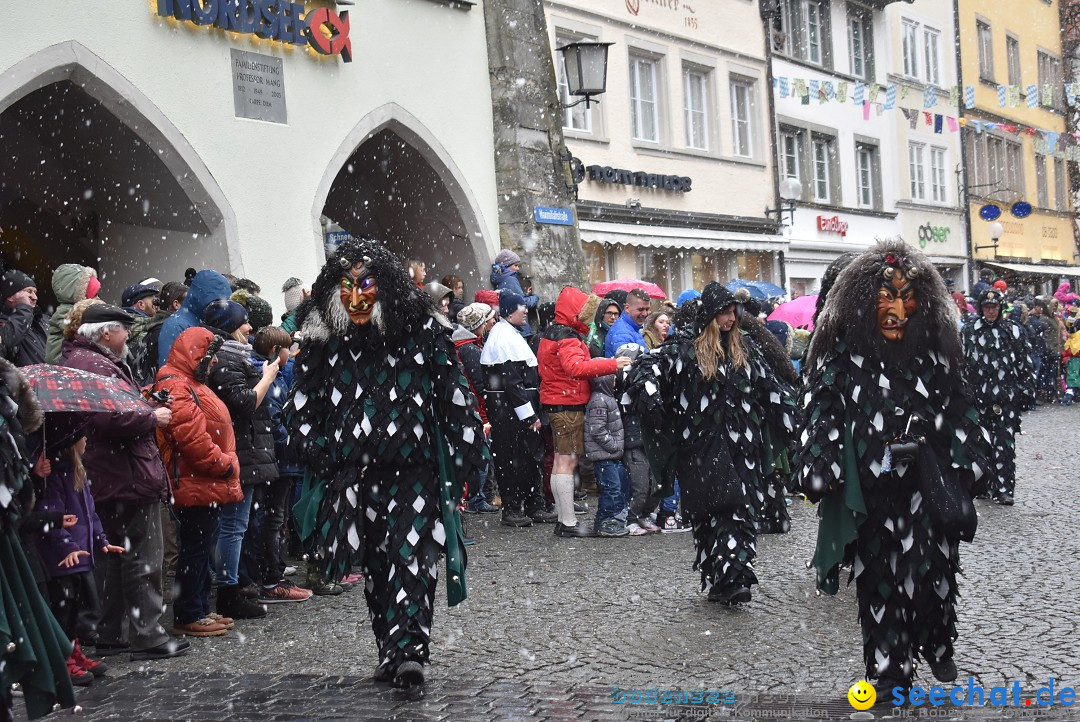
[678, 238]
[1036, 269]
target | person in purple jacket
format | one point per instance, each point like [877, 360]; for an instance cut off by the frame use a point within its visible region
[66, 549]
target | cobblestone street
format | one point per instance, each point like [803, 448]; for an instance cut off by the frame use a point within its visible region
[552, 624]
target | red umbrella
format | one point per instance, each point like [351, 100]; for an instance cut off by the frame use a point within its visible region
[629, 284]
[59, 388]
[799, 313]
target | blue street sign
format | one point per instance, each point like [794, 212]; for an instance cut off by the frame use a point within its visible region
[554, 216]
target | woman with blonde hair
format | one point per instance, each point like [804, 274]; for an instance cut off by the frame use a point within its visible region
[714, 415]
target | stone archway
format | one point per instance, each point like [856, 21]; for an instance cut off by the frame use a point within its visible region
[390, 179]
[92, 172]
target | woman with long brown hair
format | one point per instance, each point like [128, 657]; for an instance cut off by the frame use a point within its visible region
[714, 416]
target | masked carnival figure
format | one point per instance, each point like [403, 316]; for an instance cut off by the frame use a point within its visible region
[714, 415]
[891, 446]
[383, 422]
[1002, 379]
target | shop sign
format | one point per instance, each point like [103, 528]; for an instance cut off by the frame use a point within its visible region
[933, 234]
[553, 216]
[607, 174]
[325, 30]
[832, 225]
[333, 239]
[258, 87]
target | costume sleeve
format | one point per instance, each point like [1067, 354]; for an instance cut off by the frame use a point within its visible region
[456, 415]
[822, 439]
[307, 408]
[1025, 369]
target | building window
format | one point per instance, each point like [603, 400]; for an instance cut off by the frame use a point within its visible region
[1050, 74]
[1012, 54]
[1042, 194]
[742, 114]
[802, 30]
[696, 105]
[644, 112]
[1061, 200]
[791, 151]
[910, 42]
[861, 42]
[932, 56]
[866, 167]
[938, 158]
[596, 263]
[822, 153]
[579, 117]
[1011, 165]
[917, 170]
[985, 41]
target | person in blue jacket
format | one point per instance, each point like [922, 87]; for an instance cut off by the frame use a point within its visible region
[628, 328]
[206, 287]
[504, 278]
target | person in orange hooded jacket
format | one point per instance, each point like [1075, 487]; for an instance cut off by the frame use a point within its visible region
[566, 366]
[199, 451]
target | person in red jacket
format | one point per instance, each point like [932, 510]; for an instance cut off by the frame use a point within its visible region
[565, 369]
[199, 451]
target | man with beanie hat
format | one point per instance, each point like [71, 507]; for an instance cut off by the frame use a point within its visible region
[23, 329]
[513, 405]
[504, 278]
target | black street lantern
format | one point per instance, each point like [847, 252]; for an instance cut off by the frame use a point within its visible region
[586, 70]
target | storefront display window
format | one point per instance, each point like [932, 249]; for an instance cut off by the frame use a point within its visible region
[596, 263]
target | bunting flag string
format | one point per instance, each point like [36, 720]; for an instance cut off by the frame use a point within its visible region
[1061, 145]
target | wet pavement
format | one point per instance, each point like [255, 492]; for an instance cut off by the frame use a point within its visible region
[553, 626]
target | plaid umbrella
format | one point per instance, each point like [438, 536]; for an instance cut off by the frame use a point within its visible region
[59, 388]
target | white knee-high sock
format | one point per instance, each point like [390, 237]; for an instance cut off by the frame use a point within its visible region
[562, 489]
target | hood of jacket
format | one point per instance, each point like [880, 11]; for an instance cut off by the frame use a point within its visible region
[575, 308]
[605, 304]
[29, 412]
[603, 385]
[463, 335]
[189, 350]
[1064, 287]
[206, 287]
[69, 282]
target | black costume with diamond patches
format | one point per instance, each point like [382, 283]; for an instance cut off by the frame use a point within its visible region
[381, 415]
[1002, 380]
[861, 393]
[721, 438]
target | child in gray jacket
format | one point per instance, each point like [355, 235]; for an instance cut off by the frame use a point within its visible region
[604, 440]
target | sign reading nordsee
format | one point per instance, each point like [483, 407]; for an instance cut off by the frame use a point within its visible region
[326, 31]
[554, 216]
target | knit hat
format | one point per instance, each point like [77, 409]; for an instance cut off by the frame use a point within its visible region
[491, 298]
[224, 315]
[1001, 285]
[475, 315]
[510, 302]
[688, 295]
[259, 312]
[506, 257]
[14, 281]
[714, 299]
[294, 293]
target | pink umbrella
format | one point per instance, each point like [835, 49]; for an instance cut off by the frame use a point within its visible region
[799, 313]
[629, 284]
